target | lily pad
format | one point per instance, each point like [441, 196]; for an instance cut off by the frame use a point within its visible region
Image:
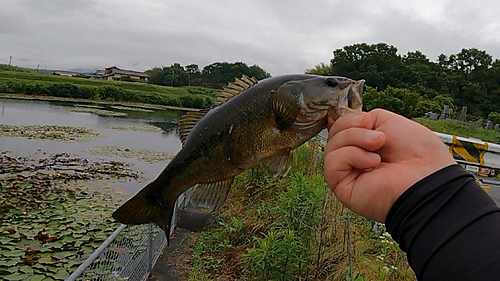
[13, 254]
[60, 274]
[26, 269]
[16, 276]
[37, 277]
[9, 262]
[48, 205]
[46, 132]
[100, 112]
[145, 155]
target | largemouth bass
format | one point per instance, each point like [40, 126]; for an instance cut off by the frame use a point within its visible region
[252, 122]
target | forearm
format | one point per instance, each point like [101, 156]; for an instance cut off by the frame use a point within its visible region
[449, 227]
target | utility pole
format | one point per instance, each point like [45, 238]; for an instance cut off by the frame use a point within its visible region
[37, 68]
[10, 60]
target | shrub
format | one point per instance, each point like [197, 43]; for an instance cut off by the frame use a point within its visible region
[109, 92]
[86, 92]
[3, 86]
[37, 89]
[494, 117]
[187, 101]
[202, 91]
[177, 97]
[62, 90]
[387, 102]
[169, 100]
[425, 106]
[287, 249]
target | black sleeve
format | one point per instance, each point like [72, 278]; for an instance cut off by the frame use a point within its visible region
[449, 227]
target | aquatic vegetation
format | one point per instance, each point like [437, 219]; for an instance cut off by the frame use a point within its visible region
[144, 155]
[130, 108]
[49, 132]
[97, 111]
[136, 128]
[51, 219]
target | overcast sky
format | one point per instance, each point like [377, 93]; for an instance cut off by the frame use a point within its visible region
[280, 36]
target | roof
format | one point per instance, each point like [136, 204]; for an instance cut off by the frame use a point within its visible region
[126, 72]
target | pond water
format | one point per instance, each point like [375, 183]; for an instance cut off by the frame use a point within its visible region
[115, 131]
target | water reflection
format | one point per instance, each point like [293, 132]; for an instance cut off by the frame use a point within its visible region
[20, 112]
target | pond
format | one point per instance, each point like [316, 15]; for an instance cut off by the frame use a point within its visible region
[138, 130]
[64, 168]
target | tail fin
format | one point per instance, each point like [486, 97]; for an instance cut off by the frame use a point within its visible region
[141, 209]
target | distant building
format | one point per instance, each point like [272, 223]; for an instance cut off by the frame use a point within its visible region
[66, 73]
[98, 74]
[114, 73]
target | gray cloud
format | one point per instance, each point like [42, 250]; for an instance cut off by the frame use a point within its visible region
[280, 36]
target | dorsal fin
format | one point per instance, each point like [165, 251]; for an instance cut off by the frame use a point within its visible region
[234, 88]
[188, 121]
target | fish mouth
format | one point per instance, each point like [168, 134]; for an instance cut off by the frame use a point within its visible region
[348, 100]
[320, 105]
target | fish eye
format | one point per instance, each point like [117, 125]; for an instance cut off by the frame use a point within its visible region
[331, 82]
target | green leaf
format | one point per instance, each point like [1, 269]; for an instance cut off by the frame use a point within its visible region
[37, 277]
[61, 274]
[26, 269]
[16, 276]
[46, 260]
[8, 247]
[14, 254]
[5, 270]
[9, 262]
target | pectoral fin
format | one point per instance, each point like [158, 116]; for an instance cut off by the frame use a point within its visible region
[279, 165]
[285, 109]
[210, 195]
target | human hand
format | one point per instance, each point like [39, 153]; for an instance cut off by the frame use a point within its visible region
[372, 158]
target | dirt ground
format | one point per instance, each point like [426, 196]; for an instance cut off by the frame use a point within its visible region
[174, 263]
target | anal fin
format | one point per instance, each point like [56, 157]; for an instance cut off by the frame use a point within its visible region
[210, 195]
[279, 165]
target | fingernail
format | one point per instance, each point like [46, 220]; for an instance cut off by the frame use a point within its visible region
[371, 135]
[358, 118]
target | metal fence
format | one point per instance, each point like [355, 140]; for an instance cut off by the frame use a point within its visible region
[129, 253]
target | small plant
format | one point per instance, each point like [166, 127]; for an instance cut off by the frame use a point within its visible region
[293, 229]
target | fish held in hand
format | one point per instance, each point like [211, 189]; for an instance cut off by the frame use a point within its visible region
[251, 122]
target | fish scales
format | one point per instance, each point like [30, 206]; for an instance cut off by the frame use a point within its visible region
[266, 120]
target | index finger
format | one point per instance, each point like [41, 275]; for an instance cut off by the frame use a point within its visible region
[361, 119]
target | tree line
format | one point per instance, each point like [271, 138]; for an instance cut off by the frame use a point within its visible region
[411, 84]
[215, 75]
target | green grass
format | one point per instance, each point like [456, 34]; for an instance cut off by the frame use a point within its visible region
[453, 127]
[71, 87]
[93, 82]
[292, 229]
[15, 68]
